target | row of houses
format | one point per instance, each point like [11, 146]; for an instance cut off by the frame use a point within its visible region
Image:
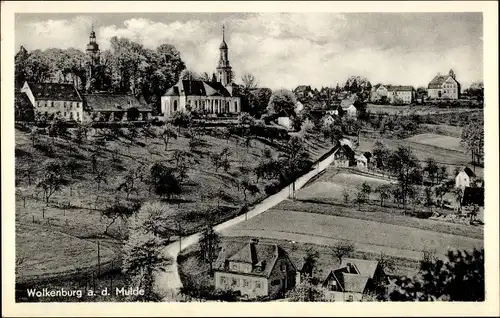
[260, 269]
[440, 87]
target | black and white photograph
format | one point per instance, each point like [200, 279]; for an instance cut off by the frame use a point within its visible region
[211, 157]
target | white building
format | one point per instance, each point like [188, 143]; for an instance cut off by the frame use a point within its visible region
[444, 86]
[207, 97]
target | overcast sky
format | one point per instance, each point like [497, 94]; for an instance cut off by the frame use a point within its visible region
[287, 49]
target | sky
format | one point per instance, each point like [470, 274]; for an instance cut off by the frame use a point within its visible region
[284, 50]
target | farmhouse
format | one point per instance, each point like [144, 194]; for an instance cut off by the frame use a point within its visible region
[354, 280]
[464, 178]
[343, 154]
[209, 97]
[116, 107]
[392, 94]
[54, 99]
[361, 161]
[255, 269]
[444, 87]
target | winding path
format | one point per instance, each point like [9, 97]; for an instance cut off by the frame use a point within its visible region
[169, 281]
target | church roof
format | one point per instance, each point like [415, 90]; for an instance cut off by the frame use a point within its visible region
[114, 102]
[54, 91]
[223, 45]
[198, 88]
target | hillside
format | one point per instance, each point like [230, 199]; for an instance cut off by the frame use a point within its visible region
[208, 194]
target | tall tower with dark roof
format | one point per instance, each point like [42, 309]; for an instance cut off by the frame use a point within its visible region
[92, 59]
[224, 74]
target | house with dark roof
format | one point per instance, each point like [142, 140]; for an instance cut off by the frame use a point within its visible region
[343, 154]
[444, 87]
[302, 91]
[55, 99]
[254, 269]
[354, 280]
[116, 107]
[206, 97]
[464, 178]
[24, 110]
[473, 196]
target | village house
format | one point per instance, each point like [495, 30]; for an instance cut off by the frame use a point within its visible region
[343, 154]
[116, 107]
[208, 97]
[303, 91]
[464, 178]
[361, 161]
[355, 280]
[255, 269]
[55, 100]
[392, 94]
[444, 87]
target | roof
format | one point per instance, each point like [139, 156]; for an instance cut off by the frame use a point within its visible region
[302, 88]
[223, 45]
[354, 282]
[364, 267]
[473, 196]
[251, 253]
[399, 88]
[198, 88]
[469, 172]
[54, 91]
[107, 101]
[438, 80]
[21, 100]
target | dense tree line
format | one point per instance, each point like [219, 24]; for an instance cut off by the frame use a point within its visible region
[127, 67]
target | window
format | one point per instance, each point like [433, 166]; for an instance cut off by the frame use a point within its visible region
[51, 104]
[236, 106]
[257, 284]
[275, 282]
[234, 267]
[246, 283]
[78, 115]
[235, 282]
[64, 114]
[350, 298]
[175, 105]
[223, 280]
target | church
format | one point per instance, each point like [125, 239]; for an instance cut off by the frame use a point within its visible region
[218, 96]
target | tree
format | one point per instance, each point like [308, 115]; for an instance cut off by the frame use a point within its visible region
[129, 183]
[440, 192]
[180, 119]
[472, 138]
[101, 175]
[384, 191]
[405, 166]
[143, 254]
[341, 249]
[133, 114]
[72, 166]
[459, 278]
[381, 154]
[168, 133]
[164, 180]
[248, 186]
[345, 195]
[189, 75]
[429, 201]
[209, 245]
[442, 173]
[310, 260]
[306, 291]
[249, 81]
[52, 178]
[387, 263]
[431, 168]
[294, 160]
[282, 101]
[205, 77]
[116, 211]
[459, 194]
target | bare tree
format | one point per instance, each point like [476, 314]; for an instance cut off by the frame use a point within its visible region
[341, 249]
[249, 81]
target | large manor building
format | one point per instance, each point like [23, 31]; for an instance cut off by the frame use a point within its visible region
[444, 87]
[205, 97]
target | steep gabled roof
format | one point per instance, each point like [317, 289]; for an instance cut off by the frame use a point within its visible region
[469, 172]
[197, 88]
[354, 282]
[438, 80]
[256, 254]
[399, 88]
[364, 267]
[54, 91]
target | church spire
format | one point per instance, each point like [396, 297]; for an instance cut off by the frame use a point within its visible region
[223, 40]
[224, 74]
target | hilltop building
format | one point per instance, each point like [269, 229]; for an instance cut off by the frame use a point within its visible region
[207, 97]
[444, 87]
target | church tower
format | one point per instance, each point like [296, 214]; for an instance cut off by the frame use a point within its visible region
[92, 58]
[452, 74]
[224, 73]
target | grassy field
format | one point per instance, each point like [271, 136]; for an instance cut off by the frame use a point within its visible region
[446, 130]
[43, 253]
[208, 195]
[441, 141]
[448, 157]
[331, 184]
[419, 110]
